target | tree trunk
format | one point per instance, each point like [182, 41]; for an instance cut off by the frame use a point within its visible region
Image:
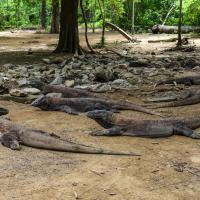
[103, 22]
[55, 17]
[174, 29]
[180, 24]
[68, 38]
[43, 14]
[17, 12]
[93, 16]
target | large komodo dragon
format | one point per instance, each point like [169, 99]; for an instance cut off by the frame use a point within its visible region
[192, 98]
[76, 105]
[3, 111]
[187, 80]
[117, 126]
[68, 92]
[12, 135]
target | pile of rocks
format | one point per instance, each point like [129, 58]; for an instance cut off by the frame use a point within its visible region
[98, 73]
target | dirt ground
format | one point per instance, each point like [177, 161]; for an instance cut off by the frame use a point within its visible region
[169, 168]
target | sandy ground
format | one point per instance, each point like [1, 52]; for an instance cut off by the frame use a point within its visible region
[169, 168]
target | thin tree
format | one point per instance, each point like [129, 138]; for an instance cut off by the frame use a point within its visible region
[103, 22]
[55, 17]
[180, 24]
[86, 26]
[44, 14]
[94, 15]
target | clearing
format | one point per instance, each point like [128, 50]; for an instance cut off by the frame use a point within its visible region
[169, 168]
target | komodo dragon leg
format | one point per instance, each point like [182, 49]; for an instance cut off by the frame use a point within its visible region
[114, 131]
[182, 130]
[97, 106]
[66, 109]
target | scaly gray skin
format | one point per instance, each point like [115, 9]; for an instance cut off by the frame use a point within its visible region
[76, 105]
[187, 80]
[120, 126]
[12, 135]
[68, 92]
[193, 99]
[3, 111]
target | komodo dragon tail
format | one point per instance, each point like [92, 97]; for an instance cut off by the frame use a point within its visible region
[67, 146]
[189, 101]
[40, 139]
[130, 106]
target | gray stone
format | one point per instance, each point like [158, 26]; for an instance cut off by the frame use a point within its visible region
[101, 87]
[104, 75]
[22, 82]
[58, 95]
[18, 93]
[76, 65]
[128, 75]
[33, 91]
[57, 81]
[46, 60]
[69, 83]
[120, 82]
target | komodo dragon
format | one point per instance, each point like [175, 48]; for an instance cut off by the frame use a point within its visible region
[117, 126]
[187, 80]
[193, 98]
[3, 111]
[76, 105]
[12, 135]
[68, 92]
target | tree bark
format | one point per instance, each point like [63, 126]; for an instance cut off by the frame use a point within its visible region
[174, 29]
[43, 14]
[115, 27]
[180, 25]
[55, 17]
[103, 22]
[68, 37]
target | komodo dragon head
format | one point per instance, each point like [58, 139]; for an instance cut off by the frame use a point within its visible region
[102, 117]
[3, 111]
[41, 102]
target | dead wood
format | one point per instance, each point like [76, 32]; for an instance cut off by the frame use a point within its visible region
[174, 29]
[126, 35]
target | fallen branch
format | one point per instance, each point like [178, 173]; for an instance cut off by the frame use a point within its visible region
[174, 29]
[126, 35]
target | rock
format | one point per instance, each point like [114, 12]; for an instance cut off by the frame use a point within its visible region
[128, 75]
[57, 81]
[139, 63]
[30, 51]
[76, 65]
[22, 82]
[122, 66]
[69, 83]
[58, 95]
[57, 60]
[101, 87]
[104, 75]
[18, 93]
[46, 60]
[120, 82]
[7, 66]
[33, 91]
[197, 68]
[27, 99]
[85, 79]
[66, 68]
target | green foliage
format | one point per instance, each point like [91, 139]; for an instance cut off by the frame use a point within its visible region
[20, 13]
[26, 13]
